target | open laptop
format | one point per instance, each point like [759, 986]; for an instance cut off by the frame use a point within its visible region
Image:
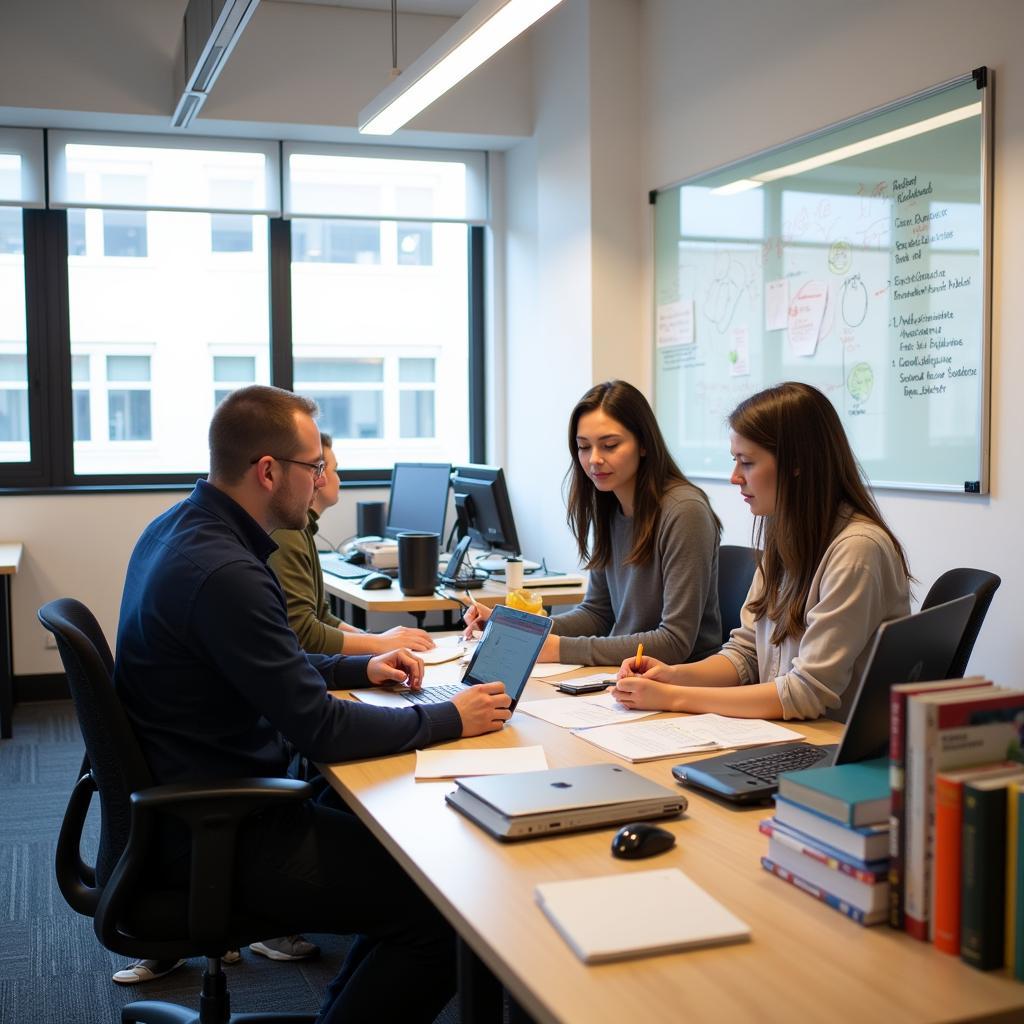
[527, 804]
[916, 647]
[507, 652]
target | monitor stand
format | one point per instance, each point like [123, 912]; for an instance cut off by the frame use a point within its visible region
[495, 562]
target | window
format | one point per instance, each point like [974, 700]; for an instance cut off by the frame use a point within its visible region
[129, 398]
[335, 242]
[76, 233]
[15, 437]
[416, 417]
[230, 373]
[414, 245]
[349, 393]
[124, 233]
[230, 232]
[11, 241]
[13, 398]
[81, 399]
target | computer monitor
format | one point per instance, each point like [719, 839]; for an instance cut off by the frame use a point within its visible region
[419, 498]
[483, 509]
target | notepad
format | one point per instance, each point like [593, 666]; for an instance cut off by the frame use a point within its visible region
[642, 913]
[448, 648]
[551, 668]
[582, 712]
[694, 734]
[451, 764]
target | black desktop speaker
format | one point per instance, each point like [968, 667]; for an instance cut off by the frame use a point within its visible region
[370, 518]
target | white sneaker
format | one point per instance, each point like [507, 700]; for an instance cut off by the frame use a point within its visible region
[287, 947]
[145, 970]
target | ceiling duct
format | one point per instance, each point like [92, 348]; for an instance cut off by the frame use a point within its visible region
[211, 29]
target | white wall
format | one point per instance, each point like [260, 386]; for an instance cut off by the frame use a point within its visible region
[726, 80]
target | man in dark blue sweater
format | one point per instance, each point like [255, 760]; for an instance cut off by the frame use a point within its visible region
[216, 686]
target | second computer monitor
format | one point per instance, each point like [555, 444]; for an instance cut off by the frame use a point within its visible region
[419, 498]
[483, 508]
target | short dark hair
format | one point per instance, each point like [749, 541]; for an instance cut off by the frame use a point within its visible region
[251, 422]
[326, 441]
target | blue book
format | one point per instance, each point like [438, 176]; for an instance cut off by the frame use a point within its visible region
[874, 915]
[866, 842]
[852, 794]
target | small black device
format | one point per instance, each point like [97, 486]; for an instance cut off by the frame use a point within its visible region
[454, 575]
[376, 581]
[640, 839]
[589, 686]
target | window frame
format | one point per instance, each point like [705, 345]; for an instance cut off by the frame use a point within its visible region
[50, 467]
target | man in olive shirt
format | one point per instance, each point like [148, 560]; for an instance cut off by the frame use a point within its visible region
[297, 567]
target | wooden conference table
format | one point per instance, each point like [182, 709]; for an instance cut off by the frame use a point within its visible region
[805, 962]
[393, 600]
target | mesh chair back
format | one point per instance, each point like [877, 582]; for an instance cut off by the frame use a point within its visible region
[956, 583]
[113, 754]
[736, 567]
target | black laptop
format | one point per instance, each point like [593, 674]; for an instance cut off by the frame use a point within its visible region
[915, 648]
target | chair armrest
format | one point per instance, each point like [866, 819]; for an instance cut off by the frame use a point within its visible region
[212, 812]
[76, 879]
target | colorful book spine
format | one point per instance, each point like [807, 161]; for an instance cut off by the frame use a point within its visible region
[948, 821]
[1016, 965]
[852, 912]
[1012, 856]
[983, 909]
[898, 697]
[868, 872]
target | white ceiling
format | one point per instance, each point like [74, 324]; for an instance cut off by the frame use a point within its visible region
[449, 8]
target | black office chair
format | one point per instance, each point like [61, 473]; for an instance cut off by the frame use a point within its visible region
[736, 566]
[132, 913]
[959, 583]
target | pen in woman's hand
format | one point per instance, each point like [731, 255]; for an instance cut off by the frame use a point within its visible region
[637, 662]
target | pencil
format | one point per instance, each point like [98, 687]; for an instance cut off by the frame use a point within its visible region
[639, 655]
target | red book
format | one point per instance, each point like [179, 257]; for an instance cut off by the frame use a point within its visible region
[946, 867]
[898, 697]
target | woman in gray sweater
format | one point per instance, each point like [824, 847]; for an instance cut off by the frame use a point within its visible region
[647, 535]
[830, 573]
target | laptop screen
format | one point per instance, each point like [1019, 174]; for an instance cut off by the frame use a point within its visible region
[508, 650]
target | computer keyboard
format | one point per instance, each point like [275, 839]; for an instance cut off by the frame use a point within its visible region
[337, 566]
[768, 767]
[434, 694]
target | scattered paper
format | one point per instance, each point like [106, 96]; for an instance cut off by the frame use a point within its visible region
[739, 353]
[551, 668]
[675, 324]
[582, 712]
[669, 737]
[806, 313]
[448, 648]
[776, 305]
[450, 764]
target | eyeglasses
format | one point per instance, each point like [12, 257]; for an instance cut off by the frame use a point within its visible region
[317, 467]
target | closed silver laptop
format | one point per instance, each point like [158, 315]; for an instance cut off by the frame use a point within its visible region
[562, 800]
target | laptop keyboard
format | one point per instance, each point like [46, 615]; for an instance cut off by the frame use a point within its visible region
[434, 694]
[768, 767]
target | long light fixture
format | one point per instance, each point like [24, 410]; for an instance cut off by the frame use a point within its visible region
[483, 30]
[930, 124]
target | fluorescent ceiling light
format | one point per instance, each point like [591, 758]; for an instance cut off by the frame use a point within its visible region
[930, 124]
[476, 36]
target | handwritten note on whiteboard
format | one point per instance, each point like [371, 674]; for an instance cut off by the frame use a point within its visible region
[806, 313]
[675, 324]
[776, 305]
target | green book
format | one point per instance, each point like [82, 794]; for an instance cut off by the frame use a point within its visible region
[852, 794]
[983, 867]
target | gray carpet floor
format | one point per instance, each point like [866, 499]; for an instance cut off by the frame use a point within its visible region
[52, 967]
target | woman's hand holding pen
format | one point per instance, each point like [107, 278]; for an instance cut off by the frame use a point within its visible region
[647, 668]
[475, 617]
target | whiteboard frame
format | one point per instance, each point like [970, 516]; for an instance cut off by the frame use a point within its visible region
[983, 77]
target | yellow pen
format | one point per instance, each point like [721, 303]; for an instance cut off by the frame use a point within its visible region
[639, 655]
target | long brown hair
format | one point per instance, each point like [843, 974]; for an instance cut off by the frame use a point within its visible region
[590, 511]
[816, 474]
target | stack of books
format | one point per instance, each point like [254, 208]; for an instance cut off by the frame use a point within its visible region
[830, 837]
[955, 753]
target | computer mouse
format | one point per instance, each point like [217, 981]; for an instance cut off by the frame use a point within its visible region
[640, 839]
[376, 581]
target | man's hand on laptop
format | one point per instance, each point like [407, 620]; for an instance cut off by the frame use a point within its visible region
[399, 666]
[483, 708]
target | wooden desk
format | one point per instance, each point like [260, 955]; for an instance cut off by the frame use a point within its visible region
[10, 559]
[805, 962]
[393, 600]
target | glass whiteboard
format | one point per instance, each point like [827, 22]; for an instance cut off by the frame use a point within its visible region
[855, 259]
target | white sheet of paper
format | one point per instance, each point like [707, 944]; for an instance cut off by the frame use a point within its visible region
[675, 324]
[581, 712]
[806, 314]
[551, 668]
[449, 648]
[776, 305]
[739, 353]
[668, 737]
[450, 764]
